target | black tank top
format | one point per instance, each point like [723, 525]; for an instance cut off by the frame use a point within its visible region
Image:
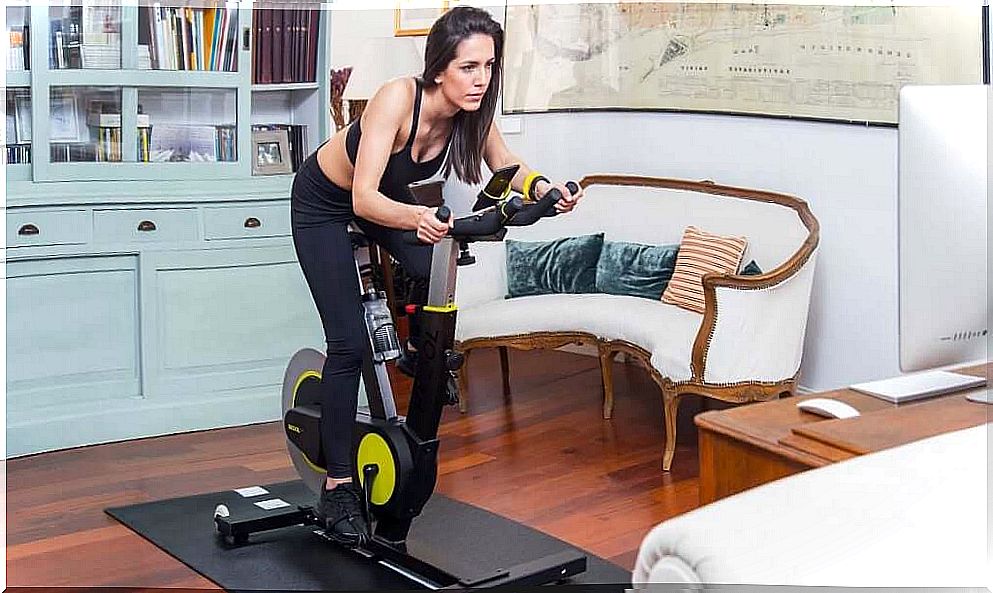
[401, 168]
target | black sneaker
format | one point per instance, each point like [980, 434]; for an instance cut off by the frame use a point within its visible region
[340, 513]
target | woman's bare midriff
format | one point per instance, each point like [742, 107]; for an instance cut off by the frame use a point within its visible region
[332, 158]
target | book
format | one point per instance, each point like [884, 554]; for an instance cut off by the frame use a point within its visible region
[918, 386]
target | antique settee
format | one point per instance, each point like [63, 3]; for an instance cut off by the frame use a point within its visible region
[745, 346]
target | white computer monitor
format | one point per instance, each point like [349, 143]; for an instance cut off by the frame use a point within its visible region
[943, 211]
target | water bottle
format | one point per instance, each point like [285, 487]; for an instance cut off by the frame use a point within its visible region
[379, 324]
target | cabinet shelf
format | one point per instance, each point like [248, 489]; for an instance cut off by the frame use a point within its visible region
[290, 86]
[139, 78]
[17, 78]
[18, 172]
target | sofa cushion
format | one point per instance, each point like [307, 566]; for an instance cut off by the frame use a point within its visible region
[701, 253]
[566, 265]
[665, 331]
[634, 269]
[751, 269]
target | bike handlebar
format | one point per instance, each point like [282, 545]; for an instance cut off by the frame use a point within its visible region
[490, 222]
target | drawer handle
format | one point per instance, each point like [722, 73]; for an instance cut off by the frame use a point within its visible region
[146, 226]
[252, 223]
[28, 229]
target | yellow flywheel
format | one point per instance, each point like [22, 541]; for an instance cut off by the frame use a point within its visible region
[373, 450]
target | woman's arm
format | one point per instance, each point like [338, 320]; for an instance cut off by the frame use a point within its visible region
[497, 155]
[381, 121]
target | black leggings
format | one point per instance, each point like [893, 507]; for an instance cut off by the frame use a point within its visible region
[325, 254]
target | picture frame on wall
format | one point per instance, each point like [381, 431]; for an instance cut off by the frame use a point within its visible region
[271, 152]
[64, 119]
[412, 19]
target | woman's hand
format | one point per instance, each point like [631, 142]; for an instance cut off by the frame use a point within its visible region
[568, 201]
[429, 228]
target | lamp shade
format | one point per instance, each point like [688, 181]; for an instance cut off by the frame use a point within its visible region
[381, 59]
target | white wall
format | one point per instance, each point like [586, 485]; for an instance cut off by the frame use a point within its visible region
[847, 173]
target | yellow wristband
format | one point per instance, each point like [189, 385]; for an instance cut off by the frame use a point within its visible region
[532, 178]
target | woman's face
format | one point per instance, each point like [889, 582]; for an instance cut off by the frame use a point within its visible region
[465, 80]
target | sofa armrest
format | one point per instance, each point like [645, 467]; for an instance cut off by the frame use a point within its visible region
[485, 280]
[754, 326]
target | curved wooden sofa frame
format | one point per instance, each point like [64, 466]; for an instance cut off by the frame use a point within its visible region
[672, 392]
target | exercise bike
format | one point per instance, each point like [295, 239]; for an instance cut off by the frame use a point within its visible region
[395, 458]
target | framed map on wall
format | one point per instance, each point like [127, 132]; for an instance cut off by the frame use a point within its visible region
[838, 63]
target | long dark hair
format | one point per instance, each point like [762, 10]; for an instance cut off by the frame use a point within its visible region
[469, 128]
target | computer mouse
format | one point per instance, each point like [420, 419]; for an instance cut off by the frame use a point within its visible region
[830, 408]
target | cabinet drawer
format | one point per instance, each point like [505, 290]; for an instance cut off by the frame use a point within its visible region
[246, 221]
[115, 226]
[50, 227]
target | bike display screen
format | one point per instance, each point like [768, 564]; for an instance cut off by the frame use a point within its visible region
[496, 187]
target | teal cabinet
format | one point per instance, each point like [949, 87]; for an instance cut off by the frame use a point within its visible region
[116, 333]
[73, 345]
[224, 321]
[152, 285]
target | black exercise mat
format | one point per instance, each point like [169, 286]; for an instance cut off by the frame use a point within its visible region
[297, 559]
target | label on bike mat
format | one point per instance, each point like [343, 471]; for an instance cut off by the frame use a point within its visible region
[272, 503]
[251, 491]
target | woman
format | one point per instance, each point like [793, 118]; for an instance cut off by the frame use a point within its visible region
[411, 129]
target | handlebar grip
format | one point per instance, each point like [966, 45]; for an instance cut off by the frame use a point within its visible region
[443, 213]
[532, 212]
[573, 187]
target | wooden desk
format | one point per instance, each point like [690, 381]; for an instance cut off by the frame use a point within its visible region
[747, 446]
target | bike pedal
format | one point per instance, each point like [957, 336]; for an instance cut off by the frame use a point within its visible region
[452, 390]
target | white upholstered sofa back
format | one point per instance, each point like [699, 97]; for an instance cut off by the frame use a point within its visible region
[648, 215]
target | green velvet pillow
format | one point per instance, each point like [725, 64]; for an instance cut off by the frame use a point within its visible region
[634, 269]
[546, 267]
[752, 269]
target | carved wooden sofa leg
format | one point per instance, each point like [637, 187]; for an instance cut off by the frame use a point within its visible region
[505, 372]
[670, 403]
[607, 376]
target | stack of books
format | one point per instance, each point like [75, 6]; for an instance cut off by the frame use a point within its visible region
[186, 38]
[144, 58]
[18, 154]
[285, 46]
[18, 48]
[106, 127]
[86, 37]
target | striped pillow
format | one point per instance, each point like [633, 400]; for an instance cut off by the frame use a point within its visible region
[700, 253]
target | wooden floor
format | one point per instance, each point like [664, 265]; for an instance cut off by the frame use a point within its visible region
[547, 459]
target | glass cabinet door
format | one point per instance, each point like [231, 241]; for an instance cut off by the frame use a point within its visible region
[85, 124]
[188, 124]
[18, 137]
[84, 35]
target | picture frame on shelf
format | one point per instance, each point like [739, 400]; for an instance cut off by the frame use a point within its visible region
[271, 152]
[64, 119]
[22, 118]
[413, 19]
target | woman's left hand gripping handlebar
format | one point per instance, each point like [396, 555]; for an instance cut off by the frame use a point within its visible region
[571, 194]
